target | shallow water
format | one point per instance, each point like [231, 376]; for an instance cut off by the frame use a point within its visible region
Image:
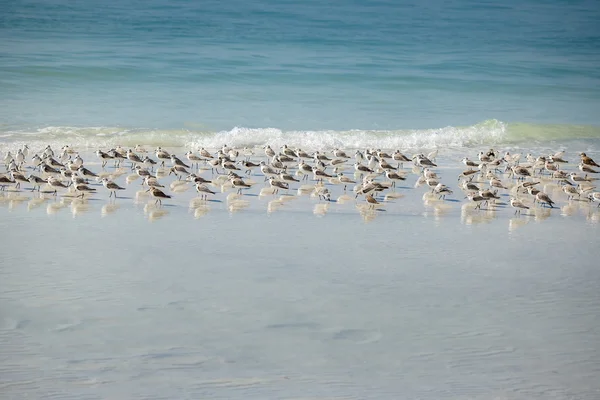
[284, 306]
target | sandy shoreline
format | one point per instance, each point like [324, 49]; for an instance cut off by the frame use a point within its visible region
[290, 296]
[405, 199]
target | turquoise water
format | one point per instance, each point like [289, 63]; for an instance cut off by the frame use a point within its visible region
[373, 65]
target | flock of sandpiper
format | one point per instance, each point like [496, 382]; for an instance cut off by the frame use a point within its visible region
[373, 172]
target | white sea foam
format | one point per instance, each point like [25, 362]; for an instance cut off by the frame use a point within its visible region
[487, 133]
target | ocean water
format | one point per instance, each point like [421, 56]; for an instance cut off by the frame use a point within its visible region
[306, 312]
[308, 72]
[297, 298]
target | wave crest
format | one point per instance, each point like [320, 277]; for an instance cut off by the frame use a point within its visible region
[487, 133]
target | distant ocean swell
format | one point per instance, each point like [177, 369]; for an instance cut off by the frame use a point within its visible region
[490, 132]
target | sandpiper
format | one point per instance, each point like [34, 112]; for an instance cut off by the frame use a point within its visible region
[134, 158]
[543, 198]
[111, 186]
[203, 190]
[36, 181]
[518, 205]
[570, 191]
[83, 188]
[595, 196]
[275, 184]
[345, 180]
[158, 194]
[476, 198]
[239, 184]
[372, 201]
[587, 160]
[55, 183]
[5, 181]
[193, 159]
[162, 155]
[104, 157]
[442, 190]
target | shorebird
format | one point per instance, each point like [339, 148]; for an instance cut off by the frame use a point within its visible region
[239, 184]
[489, 195]
[382, 154]
[518, 205]
[495, 182]
[275, 184]
[178, 170]
[276, 163]
[193, 159]
[104, 157]
[203, 190]
[196, 179]
[339, 153]
[288, 152]
[8, 158]
[358, 167]
[321, 157]
[543, 198]
[469, 163]
[151, 181]
[158, 194]
[36, 181]
[86, 173]
[469, 186]
[318, 175]
[287, 177]
[570, 191]
[580, 179]
[442, 190]
[52, 162]
[359, 157]
[476, 198]
[20, 158]
[422, 161]
[595, 196]
[345, 180]
[267, 170]
[432, 183]
[175, 161]
[5, 181]
[83, 188]
[48, 151]
[18, 178]
[205, 153]
[117, 156]
[302, 154]
[305, 169]
[111, 186]
[467, 173]
[66, 173]
[36, 161]
[78, 161]
[586, 169]
[269, 151]
[248, 165]
[587, 160]
[532, 191]
[385, 165]
[149, 163]
[162, 155]
[134, 158]
[372, 201]
[520, 172]
[401, 158]
[56, 184]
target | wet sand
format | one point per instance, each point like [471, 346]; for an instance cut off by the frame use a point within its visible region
[300, 298]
